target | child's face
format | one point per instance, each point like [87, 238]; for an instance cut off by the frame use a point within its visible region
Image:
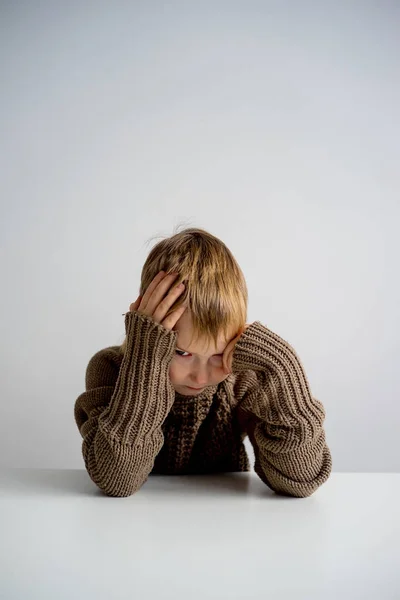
[194, 365]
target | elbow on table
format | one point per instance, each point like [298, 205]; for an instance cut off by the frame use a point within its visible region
[284, 486]
[113, 488]
[115, 478]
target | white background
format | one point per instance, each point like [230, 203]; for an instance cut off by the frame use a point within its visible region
[273, 125]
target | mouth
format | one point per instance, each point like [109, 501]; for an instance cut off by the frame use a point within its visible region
[192, 388]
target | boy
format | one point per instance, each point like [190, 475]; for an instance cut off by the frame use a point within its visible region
[192, 379]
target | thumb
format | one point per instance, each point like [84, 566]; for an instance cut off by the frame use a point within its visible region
[135, 305]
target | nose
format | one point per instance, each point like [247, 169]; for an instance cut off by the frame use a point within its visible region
[199, 378]
[198, 382]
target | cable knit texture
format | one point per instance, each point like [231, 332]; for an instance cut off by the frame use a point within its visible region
[133, 423]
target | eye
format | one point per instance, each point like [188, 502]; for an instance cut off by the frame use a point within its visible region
[185, 354]
[217, 357]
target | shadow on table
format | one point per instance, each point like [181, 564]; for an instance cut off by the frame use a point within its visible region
[66, 482]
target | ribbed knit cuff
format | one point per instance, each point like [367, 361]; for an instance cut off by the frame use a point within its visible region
[258, 348]
[143, 394]
[285, 400]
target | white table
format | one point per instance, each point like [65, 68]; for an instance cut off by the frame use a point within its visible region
[198, 537]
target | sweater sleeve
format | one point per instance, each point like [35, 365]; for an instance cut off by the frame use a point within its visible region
[283, 420]
[120, 415]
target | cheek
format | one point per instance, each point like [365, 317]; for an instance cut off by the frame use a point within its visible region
[179, 372]
[175, 371]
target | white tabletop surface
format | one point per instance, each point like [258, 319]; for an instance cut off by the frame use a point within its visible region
[223, 536]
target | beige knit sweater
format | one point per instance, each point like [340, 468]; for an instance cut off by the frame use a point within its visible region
[133, 423]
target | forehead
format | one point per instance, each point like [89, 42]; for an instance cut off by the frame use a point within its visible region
[201, 347]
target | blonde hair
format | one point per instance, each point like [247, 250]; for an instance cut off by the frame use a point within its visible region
[215, 288]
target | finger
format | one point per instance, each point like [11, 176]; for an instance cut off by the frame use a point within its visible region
[164, 306]
[174, 317]
[164, 296]
[225, 361]
[227, 354]
[135, 305]
[160, 292]
[226, 369]
[229, 362]
[159, 277]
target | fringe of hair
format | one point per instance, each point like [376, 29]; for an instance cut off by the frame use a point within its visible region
[215, 288]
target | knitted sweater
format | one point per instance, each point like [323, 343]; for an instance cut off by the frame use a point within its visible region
[133, 422]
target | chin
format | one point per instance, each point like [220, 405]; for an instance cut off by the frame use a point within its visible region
[187, 391]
